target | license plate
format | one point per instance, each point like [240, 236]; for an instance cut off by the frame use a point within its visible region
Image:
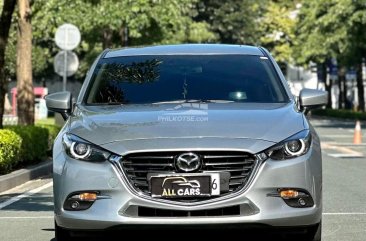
[185, 185]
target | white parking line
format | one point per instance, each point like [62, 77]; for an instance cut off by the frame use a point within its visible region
[342, 151]
[338, 136]
[351, 144]
[341, 155]
[36, 217]
[336, 214]
[24, 195]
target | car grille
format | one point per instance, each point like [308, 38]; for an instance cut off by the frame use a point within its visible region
[137, 166]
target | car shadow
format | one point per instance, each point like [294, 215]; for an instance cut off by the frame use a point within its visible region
[173, 233]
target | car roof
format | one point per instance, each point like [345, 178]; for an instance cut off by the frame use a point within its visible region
[186, 49]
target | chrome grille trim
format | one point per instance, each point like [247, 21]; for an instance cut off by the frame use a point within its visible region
[226, 163]
[241, 170]
[153, 157]
[149, 164]
[229, 156]
[238, 177]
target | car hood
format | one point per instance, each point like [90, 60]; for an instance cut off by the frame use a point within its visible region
[186, 125]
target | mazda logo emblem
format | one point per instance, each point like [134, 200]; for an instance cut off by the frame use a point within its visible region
[188, 162]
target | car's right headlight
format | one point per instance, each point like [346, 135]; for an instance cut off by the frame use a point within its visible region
[294, 146]
[80, 149]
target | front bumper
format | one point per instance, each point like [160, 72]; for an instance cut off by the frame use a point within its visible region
[257, 207]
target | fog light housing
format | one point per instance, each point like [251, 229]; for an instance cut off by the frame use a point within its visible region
[80, 201]
[296, 198]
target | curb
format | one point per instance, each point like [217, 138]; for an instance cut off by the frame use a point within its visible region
[24, 175]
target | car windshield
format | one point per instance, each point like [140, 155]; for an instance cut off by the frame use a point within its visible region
[169, 78]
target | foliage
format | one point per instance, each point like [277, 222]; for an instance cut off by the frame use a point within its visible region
[25, 145]
[316, 32]
[278, 29]
[234, 21]
[154, 22]
[10, 147]
[327, 29]
[10, 53]
[344, 114]
[7, 8]
[47, 121]
[333, 29]
[53, 131]
[34, 144]
[147, 22]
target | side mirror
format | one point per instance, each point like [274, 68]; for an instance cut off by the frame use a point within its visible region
[311, 98]
[60, 102]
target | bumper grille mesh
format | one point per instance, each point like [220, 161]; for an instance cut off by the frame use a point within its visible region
[154, 212]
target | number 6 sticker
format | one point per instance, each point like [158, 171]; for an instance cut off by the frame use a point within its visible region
[215, 184]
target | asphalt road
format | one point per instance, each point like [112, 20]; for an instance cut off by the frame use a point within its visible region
[26, 212]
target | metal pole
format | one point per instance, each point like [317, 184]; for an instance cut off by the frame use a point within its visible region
[64, 80]
[64, 77]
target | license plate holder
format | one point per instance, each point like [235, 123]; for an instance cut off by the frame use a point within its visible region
[177, 185]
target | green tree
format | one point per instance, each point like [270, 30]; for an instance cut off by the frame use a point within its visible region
[102, 23]
[234, 21]
[333, 29]
[309, 36]
[8, 7]
[138, 22]
[41, 58]
[278, 28]
[355, 50]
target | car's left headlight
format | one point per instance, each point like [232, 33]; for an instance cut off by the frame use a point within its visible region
[80, 149]
[294, 146]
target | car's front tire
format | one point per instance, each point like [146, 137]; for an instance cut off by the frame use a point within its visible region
[318, 233]
[313, 234]
[61, 234]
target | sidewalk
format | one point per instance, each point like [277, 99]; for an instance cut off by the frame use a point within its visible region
[24, 175]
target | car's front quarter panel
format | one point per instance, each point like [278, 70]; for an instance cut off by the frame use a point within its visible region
[302, 173]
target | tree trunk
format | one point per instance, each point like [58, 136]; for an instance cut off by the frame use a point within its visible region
[25, 95]
[360, 89]
[341, 80]
[123, 34]
[5, 22]
[107, 38]
[328, 84]
[344, 89]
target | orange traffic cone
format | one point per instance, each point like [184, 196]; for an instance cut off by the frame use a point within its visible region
[357, 138]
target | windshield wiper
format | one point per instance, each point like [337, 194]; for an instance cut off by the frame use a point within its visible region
[193, 101]
[109, 103]
[208, 101]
